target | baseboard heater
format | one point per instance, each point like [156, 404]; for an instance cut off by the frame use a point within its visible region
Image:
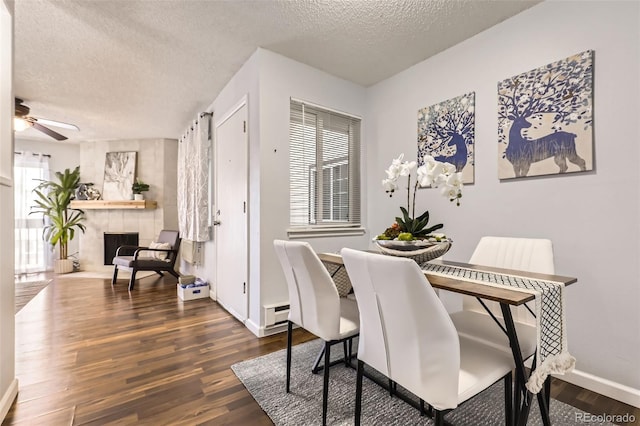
[276, 314]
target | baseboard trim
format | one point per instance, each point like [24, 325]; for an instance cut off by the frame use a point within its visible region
[254, 328]
[8, 398]
[605, 387]
[261, 331]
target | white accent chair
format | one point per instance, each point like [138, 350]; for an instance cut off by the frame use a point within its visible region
[407, 335]
[315, 305]
[473, 321]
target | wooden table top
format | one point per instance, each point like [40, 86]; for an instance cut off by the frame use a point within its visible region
[472, 288]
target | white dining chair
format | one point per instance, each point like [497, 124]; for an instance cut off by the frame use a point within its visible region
[315, 305]
[407, 335]
[474, 322]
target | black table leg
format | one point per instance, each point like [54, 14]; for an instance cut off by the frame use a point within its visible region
[522, 408]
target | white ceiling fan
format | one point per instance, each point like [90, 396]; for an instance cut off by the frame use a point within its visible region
[23, 120]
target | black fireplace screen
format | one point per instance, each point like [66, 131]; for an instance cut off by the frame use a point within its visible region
[113, 240]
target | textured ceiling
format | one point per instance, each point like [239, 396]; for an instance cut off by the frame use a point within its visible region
[128, 69]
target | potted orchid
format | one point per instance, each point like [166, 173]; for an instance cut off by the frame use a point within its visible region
[433, 174]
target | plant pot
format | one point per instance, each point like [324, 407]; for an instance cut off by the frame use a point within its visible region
[420, 251]
[63, 266]
[138, 197]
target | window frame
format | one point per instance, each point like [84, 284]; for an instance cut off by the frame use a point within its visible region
[315, 196]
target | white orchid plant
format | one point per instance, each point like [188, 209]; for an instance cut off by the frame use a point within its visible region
[433, 173]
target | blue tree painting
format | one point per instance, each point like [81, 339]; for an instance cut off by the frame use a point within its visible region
[545, 119]
[446, 131]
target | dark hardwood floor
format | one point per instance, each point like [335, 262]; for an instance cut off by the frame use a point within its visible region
[27, 290]
[87, 353]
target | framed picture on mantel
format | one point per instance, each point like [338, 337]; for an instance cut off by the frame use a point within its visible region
[119, 175]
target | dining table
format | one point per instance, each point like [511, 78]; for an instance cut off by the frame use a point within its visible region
[495, 284]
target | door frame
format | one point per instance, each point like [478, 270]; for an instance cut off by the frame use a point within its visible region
[244, 101]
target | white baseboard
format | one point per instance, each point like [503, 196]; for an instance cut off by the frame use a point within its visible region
[254, 328]
[8, 398]
[261, 331]
[605, 387]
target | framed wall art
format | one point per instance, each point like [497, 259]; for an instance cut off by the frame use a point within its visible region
[446, 131]
[119, 175]
[545, 124]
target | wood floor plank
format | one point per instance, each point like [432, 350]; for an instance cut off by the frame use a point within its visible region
[92, 354]
[103, 355]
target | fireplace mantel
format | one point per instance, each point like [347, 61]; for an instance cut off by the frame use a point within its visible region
[113, 204]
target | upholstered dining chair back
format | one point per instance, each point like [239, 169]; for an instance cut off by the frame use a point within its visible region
[417, 335]
[372, 338]
[526, 254]
[314, 303]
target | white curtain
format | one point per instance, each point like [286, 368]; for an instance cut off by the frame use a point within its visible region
[193, 180]
[32, 253]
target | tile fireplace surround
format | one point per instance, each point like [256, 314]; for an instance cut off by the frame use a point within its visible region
[157, 165]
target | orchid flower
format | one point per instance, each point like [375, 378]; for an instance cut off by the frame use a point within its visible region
[452, 187]
[407, 167]
[389, 185]
[395, 169]
[432, 173]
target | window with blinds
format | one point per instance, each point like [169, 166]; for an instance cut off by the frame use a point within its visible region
[324, 161]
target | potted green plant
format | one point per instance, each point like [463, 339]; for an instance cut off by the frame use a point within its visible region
[138, 188]
[53, 198]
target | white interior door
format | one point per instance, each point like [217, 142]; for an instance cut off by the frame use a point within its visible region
[231, 239]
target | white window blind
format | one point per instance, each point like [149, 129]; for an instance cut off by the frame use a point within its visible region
[324, 159]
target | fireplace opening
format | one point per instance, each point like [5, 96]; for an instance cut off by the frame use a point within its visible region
[113, 240]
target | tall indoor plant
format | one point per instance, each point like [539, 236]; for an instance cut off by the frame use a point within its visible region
[53, 198]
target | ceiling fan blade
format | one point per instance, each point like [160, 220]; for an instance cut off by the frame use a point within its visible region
[46, 130]
[57, 124]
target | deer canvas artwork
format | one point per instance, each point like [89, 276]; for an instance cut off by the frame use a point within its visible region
[545, 121]
[446, 131]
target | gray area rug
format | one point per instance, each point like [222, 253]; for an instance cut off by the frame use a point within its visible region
[264, 377]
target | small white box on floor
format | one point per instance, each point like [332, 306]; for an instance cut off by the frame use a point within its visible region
[197, 290]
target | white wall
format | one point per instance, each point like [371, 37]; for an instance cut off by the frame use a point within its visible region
[281, 79]
[591, 217]
[244, 83]
[269, 81]
[8, 381]
[63, 156]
